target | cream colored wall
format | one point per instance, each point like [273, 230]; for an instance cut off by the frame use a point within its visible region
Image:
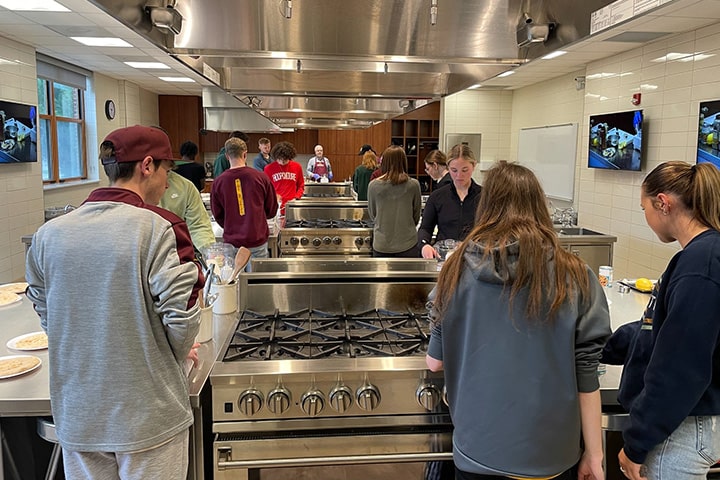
[671, 93]
[608, 201]
[22, 196]
[485, 112]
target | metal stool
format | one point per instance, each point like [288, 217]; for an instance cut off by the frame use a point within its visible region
[46, 430]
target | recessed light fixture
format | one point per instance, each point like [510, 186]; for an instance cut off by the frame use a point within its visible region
[506, 74]
[476, 86]
[153, 65]
[177, 79]
[102, 41]
[555, 54]
[33, 6]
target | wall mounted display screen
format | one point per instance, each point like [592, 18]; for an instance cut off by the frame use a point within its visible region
[616, 141]
[709, 133]
[18, 136]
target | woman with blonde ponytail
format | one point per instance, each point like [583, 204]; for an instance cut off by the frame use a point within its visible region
[675, 408]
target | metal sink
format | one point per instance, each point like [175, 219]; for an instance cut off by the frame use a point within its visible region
[576, 231]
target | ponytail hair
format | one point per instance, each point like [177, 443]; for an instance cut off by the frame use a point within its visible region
[696, 186]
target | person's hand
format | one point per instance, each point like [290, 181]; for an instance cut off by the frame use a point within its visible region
[591, 467]
[630, 469]
[315, 176]
[193, 355]
[330, 175]
[429, 252]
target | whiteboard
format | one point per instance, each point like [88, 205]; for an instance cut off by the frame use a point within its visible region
[550, 153]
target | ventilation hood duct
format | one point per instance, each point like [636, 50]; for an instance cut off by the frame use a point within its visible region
[347, 64]
[225, 113]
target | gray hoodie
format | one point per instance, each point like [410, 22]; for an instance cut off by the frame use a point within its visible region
[512, 385]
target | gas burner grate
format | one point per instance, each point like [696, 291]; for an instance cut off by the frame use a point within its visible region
[312, 334]
[328, 223]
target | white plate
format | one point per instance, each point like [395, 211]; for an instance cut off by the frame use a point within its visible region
[23, 372]
[13, 342]
[14, 299]
[18, 287]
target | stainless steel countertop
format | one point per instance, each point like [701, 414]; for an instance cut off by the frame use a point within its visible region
[29, 395]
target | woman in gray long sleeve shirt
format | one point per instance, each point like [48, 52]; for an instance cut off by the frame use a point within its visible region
[394, 204]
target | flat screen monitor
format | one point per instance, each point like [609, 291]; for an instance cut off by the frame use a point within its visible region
[616, 141]
[708, 133]
[18, 138]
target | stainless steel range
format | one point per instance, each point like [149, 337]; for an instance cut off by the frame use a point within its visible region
[337, 227]
[327, 367]
[321, 191]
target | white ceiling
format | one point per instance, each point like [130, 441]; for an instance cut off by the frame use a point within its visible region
[49, 33]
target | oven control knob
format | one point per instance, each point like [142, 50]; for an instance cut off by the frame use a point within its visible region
[368, 241]
[304, 241]
[341, 398]
[312, 402]
[294, 241]
[358, 241]
[250, 401]
[428, 396]
[368, 397]
[278, 400]
[327, 240]
[336, 240]
[316, 242]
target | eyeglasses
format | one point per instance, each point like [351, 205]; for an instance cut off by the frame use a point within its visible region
[428, 166]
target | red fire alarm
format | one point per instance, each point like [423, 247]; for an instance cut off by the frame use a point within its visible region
[636, 98]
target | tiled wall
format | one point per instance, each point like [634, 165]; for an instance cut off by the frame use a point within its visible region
[671, 92]
[484, 112]
[609, 201]
[22, 197]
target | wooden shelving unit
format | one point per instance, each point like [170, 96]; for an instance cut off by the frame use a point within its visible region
[418, 137]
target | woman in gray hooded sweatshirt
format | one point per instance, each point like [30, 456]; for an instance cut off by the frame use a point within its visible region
[518, 328]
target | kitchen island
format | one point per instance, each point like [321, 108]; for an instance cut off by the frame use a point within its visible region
[29, 395]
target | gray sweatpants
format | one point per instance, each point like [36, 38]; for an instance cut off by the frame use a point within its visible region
[168, 461]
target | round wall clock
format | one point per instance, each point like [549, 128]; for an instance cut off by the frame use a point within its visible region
[110, 109]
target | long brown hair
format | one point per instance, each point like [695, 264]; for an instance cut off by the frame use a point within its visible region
[394, 165]
[512, 209]
[696, 186]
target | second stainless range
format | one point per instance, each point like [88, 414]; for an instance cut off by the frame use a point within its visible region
[327, 367]
[326, 227]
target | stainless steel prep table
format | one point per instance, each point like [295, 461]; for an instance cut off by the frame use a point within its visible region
[29, 395]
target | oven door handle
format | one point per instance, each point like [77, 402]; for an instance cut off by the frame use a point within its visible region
[336, 460]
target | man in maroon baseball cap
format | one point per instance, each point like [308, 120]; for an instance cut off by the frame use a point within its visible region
[132, 335]
[138, 158]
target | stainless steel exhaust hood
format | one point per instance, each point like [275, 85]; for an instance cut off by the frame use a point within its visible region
[225, 113]
[348, 64]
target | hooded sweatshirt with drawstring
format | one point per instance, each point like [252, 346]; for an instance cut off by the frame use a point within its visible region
[513, 384]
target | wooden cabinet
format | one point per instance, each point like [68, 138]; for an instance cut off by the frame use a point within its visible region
[181, 117]
[418, 132]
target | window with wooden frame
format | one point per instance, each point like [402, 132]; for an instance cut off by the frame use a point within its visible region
[61, 112]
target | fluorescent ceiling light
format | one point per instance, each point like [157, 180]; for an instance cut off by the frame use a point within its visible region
[156, 65]
[506, 74]
[177, 79]
[102, 41]
[33, 6]
[555, 54]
